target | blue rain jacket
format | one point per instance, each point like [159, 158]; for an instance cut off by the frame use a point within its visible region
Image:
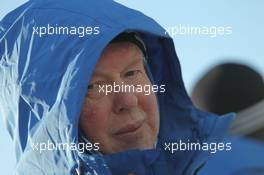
[245, 158]
[44, 80]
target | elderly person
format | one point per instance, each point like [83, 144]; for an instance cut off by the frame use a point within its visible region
[123, 119]
[55, 78]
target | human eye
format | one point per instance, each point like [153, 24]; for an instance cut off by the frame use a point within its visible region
[133, 76]
[93, 88]
[132, 73]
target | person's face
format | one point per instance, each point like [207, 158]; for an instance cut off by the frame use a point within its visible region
[120, 120]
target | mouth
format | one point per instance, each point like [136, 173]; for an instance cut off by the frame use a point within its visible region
[130, 128]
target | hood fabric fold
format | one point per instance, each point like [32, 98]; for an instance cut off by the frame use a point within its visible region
[44, 81]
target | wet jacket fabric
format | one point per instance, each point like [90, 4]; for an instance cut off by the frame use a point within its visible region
[44, 79]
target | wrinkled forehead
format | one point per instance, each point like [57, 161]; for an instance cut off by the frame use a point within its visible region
[119, 54]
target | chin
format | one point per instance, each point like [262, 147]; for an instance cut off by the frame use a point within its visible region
[140, 144]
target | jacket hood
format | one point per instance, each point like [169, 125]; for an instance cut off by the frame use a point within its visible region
[45, 80]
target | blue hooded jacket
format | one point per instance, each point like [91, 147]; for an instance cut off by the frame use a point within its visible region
[44, 80]
[246, 157]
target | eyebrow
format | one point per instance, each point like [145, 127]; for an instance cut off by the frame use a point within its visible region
[135, 62]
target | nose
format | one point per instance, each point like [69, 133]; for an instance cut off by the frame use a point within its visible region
[124, 101]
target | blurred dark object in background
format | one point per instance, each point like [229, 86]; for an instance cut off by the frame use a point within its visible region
[232, 87]
[228, 87]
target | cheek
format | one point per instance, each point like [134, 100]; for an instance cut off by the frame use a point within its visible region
[149, 104]
[94, 119]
